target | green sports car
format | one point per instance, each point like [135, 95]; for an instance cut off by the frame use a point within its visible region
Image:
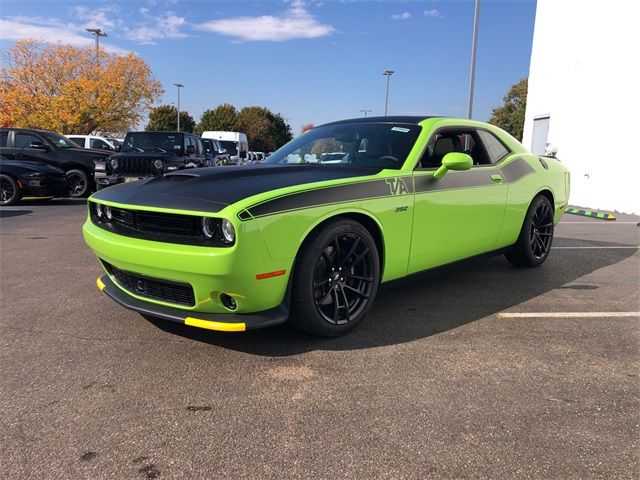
[308, 235]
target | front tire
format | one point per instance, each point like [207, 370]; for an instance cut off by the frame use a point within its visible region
[335, 280]
[79, 182]
[10, 193]
[534, 242]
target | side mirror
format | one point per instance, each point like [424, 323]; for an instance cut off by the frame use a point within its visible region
[243, 154]
[191, 150]
[453, 161]
[117, 148]
[38, 146]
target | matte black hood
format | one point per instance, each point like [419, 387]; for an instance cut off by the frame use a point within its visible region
[212, 189]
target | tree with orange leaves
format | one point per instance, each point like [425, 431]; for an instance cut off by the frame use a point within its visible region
[60, 87]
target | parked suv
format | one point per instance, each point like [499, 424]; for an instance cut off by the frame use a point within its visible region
[22, 144]
[94, 141]
[150, 154]
[214, 153]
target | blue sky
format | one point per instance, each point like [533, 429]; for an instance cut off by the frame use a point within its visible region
[312, 61]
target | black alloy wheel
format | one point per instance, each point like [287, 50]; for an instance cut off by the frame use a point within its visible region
[541, 231]
[79, 183]
[343, 279]
[335, 280]
[9, 192]
[534, 243]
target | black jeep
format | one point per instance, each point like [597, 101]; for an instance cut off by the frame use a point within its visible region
[150, 154]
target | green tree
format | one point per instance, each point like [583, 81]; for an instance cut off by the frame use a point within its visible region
[222, 118]
[266, 131]
[510, 115]
[165, 118]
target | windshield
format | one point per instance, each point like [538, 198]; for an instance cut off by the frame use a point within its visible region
[229, 146]
[60, 141]
[374, 145]
[152, 142]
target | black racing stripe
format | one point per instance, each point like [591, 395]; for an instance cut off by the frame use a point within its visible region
[477, 177]
[515, 170]
[337, 194]
[472, 178]
[212, 189]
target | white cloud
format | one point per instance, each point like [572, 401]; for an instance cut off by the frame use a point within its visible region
[434, 12]
[167, 25]
[296, 22]
[103, 17]
[401, 16]
[49, 30]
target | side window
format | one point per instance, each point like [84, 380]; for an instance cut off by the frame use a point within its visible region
[97, 143]
[198, 142]
[3, 138]
[23, 139]
[439, 145]
[496, 150]
[78, 140]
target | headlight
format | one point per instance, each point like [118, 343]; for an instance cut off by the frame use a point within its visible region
[228, 232]
[107, 212]
[208, 228]
[158, 164]
[98, 210]
[113, 163]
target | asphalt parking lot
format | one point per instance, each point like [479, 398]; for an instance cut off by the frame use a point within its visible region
[441, 381]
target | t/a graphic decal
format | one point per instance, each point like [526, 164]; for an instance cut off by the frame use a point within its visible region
[397, 186]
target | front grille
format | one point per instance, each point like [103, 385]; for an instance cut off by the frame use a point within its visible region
[136, 166]
[166, 291]
[156, 222]
[159, 227]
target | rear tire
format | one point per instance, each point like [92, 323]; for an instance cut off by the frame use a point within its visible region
[534, 242]
[10, 193]
[335, 280]
[80, 182]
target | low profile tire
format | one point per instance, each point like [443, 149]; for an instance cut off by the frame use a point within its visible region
[534, 243]
[335, 280]
[10, 193]
[79, 182]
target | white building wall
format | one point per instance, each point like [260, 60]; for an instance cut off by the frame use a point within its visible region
[585, 75]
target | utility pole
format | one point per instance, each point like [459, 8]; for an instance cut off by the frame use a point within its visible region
[474, 46]
[387, 73]
[179, 86]
[97, 33]
[365, 111]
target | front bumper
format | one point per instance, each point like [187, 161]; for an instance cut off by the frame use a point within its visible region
[223, 322]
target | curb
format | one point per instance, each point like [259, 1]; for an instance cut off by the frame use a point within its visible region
[590, 213]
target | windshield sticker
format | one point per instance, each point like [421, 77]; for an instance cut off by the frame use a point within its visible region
[400, 129]
[176, 147]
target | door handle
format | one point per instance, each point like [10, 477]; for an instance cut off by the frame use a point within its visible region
[496, 178]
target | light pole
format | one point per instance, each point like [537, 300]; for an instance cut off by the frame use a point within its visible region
[365, 111]
[474, 46]
[387, 73]
[97, 33]
[179, 86]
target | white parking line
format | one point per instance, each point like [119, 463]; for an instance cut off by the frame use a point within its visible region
[629, 247]
[568, 314]
[616, 222]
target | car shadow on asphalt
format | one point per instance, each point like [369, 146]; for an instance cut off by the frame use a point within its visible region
[14, 213]
[426, 304]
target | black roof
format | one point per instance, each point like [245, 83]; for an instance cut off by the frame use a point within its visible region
[412, 119]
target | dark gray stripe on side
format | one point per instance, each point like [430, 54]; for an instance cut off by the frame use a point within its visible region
[477, 177]
[337, 194]
[470, 178]
[515, 170]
